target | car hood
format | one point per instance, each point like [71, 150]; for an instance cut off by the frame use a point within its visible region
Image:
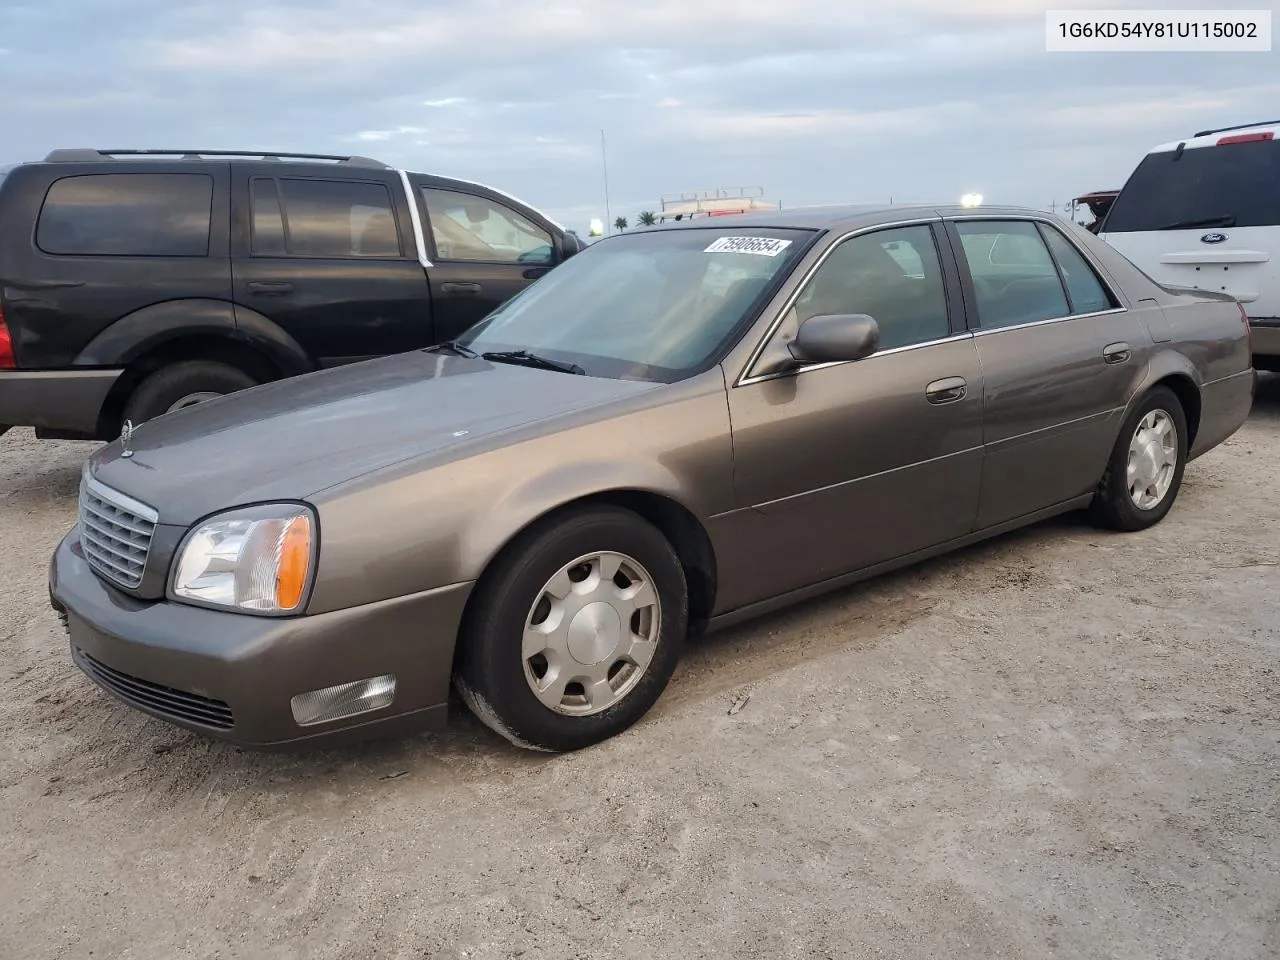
[290, 439]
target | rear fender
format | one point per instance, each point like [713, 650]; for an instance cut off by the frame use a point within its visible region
[144, 330]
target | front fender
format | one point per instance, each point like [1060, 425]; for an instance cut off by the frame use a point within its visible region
[530, 500]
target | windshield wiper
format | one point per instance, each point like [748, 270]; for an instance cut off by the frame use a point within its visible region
[455, 346]
[527, 359]
[1226, 220]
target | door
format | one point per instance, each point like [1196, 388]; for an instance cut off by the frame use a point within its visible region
[846, 465]
[332, 262]
[1060, 358]
[483, 252]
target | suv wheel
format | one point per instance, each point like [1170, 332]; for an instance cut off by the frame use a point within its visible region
[575, 631]
[181, 385]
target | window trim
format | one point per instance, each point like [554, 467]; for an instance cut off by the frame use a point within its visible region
[955, 312]
[966, 278]
[284, 219]
[208, 253]
[430, 235]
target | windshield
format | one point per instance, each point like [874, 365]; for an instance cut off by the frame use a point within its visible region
[1233, 185]
[658, 306]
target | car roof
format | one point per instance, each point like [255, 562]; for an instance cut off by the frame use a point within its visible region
[1211, 138]
[843, 217]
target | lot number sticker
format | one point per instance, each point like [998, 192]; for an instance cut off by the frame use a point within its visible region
[762, 246]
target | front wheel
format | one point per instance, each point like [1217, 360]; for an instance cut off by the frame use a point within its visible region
[1144, 473]
[575, 631]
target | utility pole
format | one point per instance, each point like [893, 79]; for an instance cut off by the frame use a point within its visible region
[604, 164]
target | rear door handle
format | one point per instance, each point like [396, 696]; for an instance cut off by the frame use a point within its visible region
[947, 390]
[269, 288]
[460, 287]
[1116, 353]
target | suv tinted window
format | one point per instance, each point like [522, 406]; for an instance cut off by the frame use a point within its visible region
[327, 218]
[467, 227]
[1240, 180]
[1014, 277]
[127, 215]
[893, 275]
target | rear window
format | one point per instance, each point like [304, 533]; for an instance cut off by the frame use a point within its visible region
[1202, 187]
[127, 215]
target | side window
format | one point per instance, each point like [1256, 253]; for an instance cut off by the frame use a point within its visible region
[892, 275]
[467, 227]
[1085, 290]
[267, 224]
[343, 219]
[127, 215]
[1014, 278]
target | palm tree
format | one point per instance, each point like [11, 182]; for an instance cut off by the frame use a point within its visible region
[620, 223]
[647, 219]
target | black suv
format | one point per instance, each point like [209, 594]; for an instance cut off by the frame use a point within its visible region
[135, 282]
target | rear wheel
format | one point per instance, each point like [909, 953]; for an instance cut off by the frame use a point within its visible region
[1145, 471]
[575, 632]
[182, 385]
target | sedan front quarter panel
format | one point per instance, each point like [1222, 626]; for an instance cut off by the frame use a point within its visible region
[415, 527]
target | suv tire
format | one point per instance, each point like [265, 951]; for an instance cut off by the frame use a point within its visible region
[181, 384]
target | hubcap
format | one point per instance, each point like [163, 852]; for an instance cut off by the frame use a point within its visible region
[1153, 456]
[591, 633]
[191, 399]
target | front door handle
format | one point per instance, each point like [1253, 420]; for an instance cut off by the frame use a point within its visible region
[468, 288]
[947, 390]
[269, 288]
[1116, 353]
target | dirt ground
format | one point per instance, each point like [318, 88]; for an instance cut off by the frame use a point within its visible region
[1062, 743]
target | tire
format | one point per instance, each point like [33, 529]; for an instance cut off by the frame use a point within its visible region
[495, 678]
[159, 392]
[1114, 504]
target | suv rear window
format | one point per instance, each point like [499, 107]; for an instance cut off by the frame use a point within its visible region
[127, 215]
[1205, 184]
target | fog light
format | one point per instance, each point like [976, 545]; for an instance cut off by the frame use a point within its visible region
[344, 700]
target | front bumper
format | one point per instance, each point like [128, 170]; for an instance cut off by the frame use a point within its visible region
[67, 400]
[232, 676]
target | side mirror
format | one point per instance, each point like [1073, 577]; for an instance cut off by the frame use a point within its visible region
[567, 245]
[835, 337]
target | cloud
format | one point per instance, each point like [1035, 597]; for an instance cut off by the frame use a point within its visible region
[813, 101]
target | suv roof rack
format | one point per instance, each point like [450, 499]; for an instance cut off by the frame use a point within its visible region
[82, 154]
[1238, 126]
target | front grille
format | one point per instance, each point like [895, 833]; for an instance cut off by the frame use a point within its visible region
[166, 701]
[115, 532]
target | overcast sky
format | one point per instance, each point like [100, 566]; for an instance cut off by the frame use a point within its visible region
[816, 101]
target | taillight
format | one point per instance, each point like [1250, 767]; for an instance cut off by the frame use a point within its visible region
[1247, 138]
[7, 359]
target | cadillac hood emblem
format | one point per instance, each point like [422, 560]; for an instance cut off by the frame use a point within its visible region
[126, 434]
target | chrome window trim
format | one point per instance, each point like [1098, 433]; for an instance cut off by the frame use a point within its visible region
[118, 499]
[744, 378]
[988, 331]
[415, 218]
[892, 351]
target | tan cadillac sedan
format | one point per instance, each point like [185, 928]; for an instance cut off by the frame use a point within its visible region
[676, 429]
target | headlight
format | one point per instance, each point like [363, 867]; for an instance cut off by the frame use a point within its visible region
[255, 559]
